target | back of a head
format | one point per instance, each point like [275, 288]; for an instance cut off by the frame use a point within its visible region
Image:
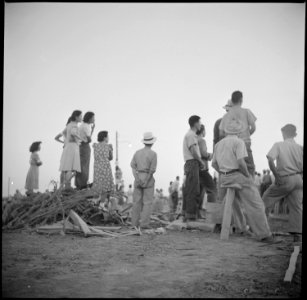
[177, 177]
[236, 97]
[101, 136]
[88, 116]
[130, 185]
[193, 120]
[289, 130]
[75, 114]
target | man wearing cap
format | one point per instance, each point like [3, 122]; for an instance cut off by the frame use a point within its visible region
[144, 165]
[216, 130]
[228, 160]
[248, 120]
[288, 178]
[193, 164]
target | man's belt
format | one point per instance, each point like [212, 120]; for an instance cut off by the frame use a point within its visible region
[291, 174]
[229, 172]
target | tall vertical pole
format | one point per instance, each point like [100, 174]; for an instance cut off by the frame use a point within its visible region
[116, 162]
[8, 188]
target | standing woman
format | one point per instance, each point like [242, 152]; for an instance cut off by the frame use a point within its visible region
[33, 174]
[103, 178]
[70, 160]
[85, 131]
[58, 139]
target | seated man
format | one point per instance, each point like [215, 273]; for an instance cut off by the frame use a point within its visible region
[288, 178]
[228, 160]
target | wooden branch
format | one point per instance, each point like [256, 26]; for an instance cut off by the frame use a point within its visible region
[230, 195]
[292, 264]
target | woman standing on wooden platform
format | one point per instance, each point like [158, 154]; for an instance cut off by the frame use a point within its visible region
[70, 160]
[33, 173]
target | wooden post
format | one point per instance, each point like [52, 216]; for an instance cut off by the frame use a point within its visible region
[116, 144]
[292, 264]
[230, 195]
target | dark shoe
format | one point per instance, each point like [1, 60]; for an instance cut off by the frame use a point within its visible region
[217, 228]
[297, 238]
[270, 240]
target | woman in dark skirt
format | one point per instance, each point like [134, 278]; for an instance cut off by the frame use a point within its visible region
[85, 131]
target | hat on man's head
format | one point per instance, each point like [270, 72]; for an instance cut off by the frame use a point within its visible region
[229, 104]
[289, 129]
[234, 126]
[148, 138]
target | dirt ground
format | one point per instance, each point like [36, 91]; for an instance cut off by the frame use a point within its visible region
[177, 264]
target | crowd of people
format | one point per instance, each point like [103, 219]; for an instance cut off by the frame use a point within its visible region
[232, 159]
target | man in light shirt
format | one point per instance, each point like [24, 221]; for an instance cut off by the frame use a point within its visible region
[85, 132]
[193, 164]
[248, 120]
[288, 175]
[144, 165]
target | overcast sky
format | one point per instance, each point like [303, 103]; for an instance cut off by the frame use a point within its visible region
[146, 67]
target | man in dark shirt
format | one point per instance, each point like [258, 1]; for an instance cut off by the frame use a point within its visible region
[216, 130]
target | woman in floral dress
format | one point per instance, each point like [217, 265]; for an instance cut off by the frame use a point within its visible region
[103, 183]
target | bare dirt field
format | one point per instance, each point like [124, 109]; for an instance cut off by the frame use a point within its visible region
[177, 264]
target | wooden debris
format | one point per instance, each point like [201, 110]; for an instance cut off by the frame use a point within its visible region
[292, 264]
[161, 221]
[78, 221]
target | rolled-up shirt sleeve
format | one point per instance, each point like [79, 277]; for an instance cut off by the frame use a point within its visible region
[191, 140]
[251, 118]
[133, 163]
[274, 152]
[241, 151]
[153, 165]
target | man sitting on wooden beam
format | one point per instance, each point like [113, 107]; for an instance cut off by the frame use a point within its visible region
[228, 160]
[288, 179]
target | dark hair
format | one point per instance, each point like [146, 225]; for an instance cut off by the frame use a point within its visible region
[68, 121]
[201, 130]
[177, 177]
[75, 114]
[34, 146]
[87, 117]
[193, 119]
[171, 182]
[101, 136]
[236, 97]
[130, 185]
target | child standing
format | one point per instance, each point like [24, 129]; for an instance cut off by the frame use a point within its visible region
[33, 174]
[143, 164]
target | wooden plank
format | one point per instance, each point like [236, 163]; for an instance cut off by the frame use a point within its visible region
[292, 264]
[230, 195]
[95, 230]
[78, 221]
[161, 221]
[110, 228]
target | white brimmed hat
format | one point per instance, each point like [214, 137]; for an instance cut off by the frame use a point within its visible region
[148, 138]
[229, 104]
[234, 126]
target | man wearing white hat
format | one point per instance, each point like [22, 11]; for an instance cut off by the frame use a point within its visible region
[144, 165]
[228, 160]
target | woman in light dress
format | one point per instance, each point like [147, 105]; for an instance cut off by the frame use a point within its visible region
[103, 183]
[58, 139]
[70, 160]
[33, 173]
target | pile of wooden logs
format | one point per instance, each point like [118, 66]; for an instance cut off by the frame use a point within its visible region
[79, 226]
[50, 207]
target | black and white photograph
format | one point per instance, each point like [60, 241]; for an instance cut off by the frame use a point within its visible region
[153, 150]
